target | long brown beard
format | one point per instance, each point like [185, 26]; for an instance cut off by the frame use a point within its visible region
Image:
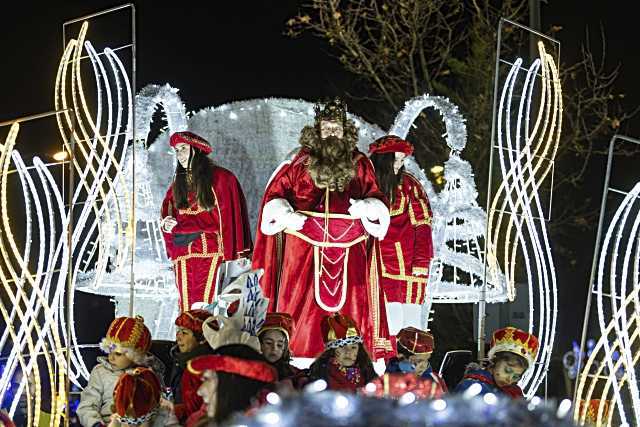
[331, 163]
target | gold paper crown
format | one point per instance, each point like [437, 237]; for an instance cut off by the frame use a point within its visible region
[334, 111]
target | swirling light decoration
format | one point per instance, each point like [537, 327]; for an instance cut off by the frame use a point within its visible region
[608, 382]
[37, 322]
[526, 158]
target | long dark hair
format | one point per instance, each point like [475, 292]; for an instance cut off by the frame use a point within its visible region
[319, 368]
[201, 177]
[235, 392]
[388, 181]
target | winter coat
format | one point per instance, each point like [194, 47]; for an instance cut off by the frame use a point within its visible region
[479, 374]
[97, 397]
[96, 400]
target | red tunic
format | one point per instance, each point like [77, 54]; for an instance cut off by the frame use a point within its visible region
[407, 248]
[326, 266]
[220, 234]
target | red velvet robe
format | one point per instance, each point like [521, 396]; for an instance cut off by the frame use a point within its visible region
[348, 279]
[224, 234]
[407, 248]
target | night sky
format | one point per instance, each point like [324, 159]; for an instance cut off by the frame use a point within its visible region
[234, 50]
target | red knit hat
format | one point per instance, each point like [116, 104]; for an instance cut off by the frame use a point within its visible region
[192, 139]
[391, 144]
[395, 385]
[282, 322]
[253, 369]
[339, 330]
[193, 320]
[514, 340]
[128, 335]
[136, 396]
[415, 340]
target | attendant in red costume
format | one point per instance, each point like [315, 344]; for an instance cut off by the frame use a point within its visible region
[204, 220]
[317, 214]
[407, 249]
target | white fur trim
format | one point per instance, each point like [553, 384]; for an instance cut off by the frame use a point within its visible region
[372, 209]
[274, 213]
[107, 346]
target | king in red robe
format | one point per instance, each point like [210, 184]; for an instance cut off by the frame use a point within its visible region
[204, 220]
[313, 240]
[407, 249]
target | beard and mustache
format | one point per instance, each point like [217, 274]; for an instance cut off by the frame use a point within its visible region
[331, 164]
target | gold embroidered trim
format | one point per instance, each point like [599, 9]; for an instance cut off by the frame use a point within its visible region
[420, 270]
[402, 276]
[405, 278]
[419, 288]
[210, 277]
[190, 211]
[330, 215]
[409, 292]
[186, 257]
[373, 293]
[185, 290]
[318, 244]
[220, 241]
[400, 257]
[400, 209]
[317, 272]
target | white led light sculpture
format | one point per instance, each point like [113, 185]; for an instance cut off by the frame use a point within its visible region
[459, 224]
[609, 376]
[37, 320]
[515, 223]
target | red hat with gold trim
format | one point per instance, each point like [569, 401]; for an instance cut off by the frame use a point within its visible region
[253, 369]
[516, 341]
[282, 322]
[136, 396]
[339, 330]
[391, 144]
[193, 320]
[192, 139]
[416, 340]
[128, 335]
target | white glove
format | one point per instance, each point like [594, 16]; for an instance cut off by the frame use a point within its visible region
[277, 215]
[167, 223]
[368, 210]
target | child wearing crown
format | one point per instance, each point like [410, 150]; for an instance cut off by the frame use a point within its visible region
[345, 364]
[512, 352]
[127, 344]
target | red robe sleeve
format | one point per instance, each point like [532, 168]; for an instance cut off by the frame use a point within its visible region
[234, 217]
[420, 216]
[232, 213]
[167, 210]
[191, 401]
[265, 252]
